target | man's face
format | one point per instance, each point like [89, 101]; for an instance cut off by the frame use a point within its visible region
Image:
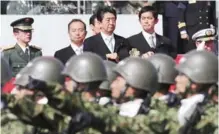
[108, 23]
[209, 45]
[23, 36]
[182, 82]
[117, 86]
[96, 27]
[77, 33]
[148, 21]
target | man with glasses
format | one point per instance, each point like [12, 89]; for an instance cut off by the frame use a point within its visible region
[21, 53]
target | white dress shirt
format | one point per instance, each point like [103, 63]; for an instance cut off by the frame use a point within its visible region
[106, 39]
[147, 37]
[24, 48]
[188, 106]
[77, 50]
[130, 108]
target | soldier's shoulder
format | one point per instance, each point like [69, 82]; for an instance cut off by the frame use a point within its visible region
[6, 48]
[36, 47]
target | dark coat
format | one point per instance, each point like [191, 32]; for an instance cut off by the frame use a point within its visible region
[64, 54]
[163, 45]
[97, 45]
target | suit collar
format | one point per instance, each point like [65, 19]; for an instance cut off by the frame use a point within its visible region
[104, 36]
[159, 40]
[70, 50]
[20, 52]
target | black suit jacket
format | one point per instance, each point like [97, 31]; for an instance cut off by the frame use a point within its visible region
[97, 45]
[163, 45]
[64, 54]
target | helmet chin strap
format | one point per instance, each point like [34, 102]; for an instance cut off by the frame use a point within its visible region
[122, 93]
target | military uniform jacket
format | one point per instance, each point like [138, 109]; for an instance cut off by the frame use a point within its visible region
[196, 15]
[16, 57]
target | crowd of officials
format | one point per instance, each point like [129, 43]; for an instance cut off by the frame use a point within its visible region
[109, 84]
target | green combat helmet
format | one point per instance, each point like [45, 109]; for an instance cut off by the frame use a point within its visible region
[46, 69]
[85, 68]
[138, 73]
[22, 78]
[111, 75]
[200, 67]
[165, 66]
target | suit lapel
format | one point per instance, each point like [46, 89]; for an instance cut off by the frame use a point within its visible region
[143, 43]
[32, 54]
[70, 51]
[102, 44]
[20, 52]
[159, 41]
[118, 43]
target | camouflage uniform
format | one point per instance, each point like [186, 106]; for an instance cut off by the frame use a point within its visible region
[10, 124]
[44, 118]
[161, 116]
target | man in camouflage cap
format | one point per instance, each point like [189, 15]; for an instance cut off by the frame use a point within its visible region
[21, 53]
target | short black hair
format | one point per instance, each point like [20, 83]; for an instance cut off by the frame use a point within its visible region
[92, 19]
[106, 9]
[148, 9]
[76, 20]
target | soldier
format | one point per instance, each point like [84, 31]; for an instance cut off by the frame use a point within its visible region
[204, 40]
[21, 53]
[104, 92]
[166, 76]
[102, 95]
[39, 115]
[9, 121]
[198, 71]
[194, 15]
[131, 90]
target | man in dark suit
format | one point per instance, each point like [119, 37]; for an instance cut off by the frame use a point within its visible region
[77, 33]
[194, 16]
[147, 41]
[107, 44]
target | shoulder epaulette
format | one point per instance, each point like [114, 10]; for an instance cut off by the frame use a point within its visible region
[36, 47]
[3, 48]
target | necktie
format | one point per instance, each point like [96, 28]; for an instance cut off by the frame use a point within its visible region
[110, 44]
[151, 41]
[79, 51]
[27, 54]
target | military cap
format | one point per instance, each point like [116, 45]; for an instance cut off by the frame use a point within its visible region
[204, 35]
[23, 23]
